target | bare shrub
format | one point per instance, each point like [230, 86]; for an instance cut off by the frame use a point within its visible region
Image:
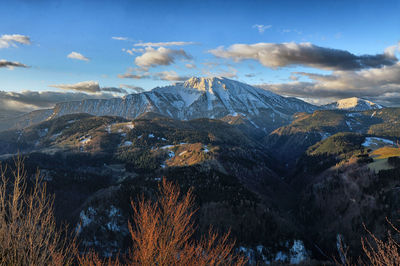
[163, 230]
[379, 252]
[28, 231]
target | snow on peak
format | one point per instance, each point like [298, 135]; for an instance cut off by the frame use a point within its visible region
[353, 104]
[197, 97]
[348, 103]
[206, 84]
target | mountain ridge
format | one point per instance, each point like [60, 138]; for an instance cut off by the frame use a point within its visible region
[212, 98]
[197, 97]
[353, 104]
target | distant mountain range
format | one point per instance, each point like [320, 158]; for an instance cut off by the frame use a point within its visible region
[353, 104]
[216, 98]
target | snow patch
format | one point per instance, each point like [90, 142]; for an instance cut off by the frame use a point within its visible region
[108, 129]
[298, 252]
[113, 215]
[127, 143]
[374, 141]
[55, 136]
[87, 216]
[85, 140]
[182, 153]
[167, 147]
[295, 255]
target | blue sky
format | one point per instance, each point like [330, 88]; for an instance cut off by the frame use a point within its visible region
[58, 28]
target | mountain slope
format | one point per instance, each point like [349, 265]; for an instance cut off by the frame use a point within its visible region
[287, 143]
[105, 162]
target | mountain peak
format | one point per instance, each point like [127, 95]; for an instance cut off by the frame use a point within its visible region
[353, 104]
[205, 83]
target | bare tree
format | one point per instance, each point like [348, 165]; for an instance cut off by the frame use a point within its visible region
[28, 231]
[163, 231]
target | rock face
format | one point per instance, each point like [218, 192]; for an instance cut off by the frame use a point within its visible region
[197, 98]
[353, 104]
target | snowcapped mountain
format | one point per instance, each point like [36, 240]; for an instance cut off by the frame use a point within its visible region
[197, 98]
[353, 104]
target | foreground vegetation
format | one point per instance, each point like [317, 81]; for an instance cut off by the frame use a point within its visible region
[159, 229]
[162, 232]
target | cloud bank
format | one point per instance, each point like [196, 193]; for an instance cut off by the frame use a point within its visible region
[276, 55]
[32, 100]
[378, 84]
[89, 87]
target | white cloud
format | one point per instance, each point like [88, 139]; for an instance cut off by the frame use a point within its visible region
[161, 56]
[391, 50]
[133, 50]
[7, 40]
[261, 28]
[120, 38]
[78, 56]
[276, 55]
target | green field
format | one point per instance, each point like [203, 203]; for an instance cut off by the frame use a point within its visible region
[380, 164]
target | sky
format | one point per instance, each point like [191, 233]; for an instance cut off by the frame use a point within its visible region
[319, 51]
